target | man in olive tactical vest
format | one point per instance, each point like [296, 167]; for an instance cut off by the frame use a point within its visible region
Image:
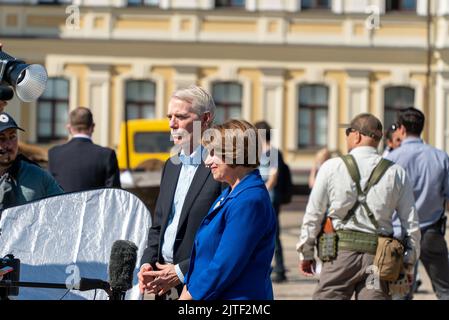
[357, 195]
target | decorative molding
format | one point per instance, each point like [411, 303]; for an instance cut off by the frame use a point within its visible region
[272, 99]
[421, 7]
[338, 6]
[185, 76]
[314, 75]
[97, 89]
[357, 92]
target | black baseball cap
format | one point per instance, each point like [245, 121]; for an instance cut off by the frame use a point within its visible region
[7, 122]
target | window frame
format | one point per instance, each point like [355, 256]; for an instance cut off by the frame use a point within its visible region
[312, 107]
[53, 102]
[395, 109]
[226, 104]
[140, 103]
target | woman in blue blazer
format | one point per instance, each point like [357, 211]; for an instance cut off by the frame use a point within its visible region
[234, 246]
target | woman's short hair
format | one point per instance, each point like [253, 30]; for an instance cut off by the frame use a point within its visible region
[235, 141]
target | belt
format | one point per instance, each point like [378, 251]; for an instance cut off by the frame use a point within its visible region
[440, 225]
[357, 241]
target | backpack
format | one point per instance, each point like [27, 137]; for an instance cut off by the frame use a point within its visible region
[284, 186]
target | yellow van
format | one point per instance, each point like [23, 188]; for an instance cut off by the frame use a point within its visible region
[148, 139]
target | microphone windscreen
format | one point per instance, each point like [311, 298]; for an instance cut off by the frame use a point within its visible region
[122, 264]
[6, 93]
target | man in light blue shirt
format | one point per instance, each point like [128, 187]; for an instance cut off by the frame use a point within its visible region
[428, 170]
[186, 194]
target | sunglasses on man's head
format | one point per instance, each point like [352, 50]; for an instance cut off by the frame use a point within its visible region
[349, 130]
[395, 126]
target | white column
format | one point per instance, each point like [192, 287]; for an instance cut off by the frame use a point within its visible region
[119, 3]
[251, 5]
[293, 5]
[184, 4]
[357, 92]
[421, 7]
[207, 4]
[98, 87]
[165, 4]
[332, 132]
[338, 6]
[272, 90]
[185, 76]
[442, 8]
[271, 5]
[442, 34]
[352, 6]
[441, 114]
[380, 4]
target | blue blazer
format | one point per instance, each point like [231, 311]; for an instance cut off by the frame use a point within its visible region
[234, 246]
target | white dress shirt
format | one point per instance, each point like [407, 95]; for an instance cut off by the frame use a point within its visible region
[335, 191]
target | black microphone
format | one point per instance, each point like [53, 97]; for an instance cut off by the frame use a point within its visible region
[122, 264]
[86, 284]
[6, 93]
[121, 268]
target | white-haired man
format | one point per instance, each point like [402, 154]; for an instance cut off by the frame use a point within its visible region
[187, 191]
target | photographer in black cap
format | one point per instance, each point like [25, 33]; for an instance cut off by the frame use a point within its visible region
[21, 180]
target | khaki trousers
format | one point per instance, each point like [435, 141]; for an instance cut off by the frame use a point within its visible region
[350, 273]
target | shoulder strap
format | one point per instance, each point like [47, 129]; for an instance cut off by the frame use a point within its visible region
[354, 172]
[353, 169]
[377, 173]
[374, 178]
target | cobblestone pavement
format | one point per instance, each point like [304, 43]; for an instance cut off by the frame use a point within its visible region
[298, 287]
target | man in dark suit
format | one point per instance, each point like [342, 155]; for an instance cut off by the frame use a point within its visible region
[80, 164]
[187, 192]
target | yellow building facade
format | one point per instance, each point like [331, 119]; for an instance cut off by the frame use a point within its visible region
[302, 67]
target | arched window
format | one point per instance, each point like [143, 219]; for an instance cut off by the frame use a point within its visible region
[228, 100]
[313, 116]
[52, 111]
[140, 99]
[396, 98]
